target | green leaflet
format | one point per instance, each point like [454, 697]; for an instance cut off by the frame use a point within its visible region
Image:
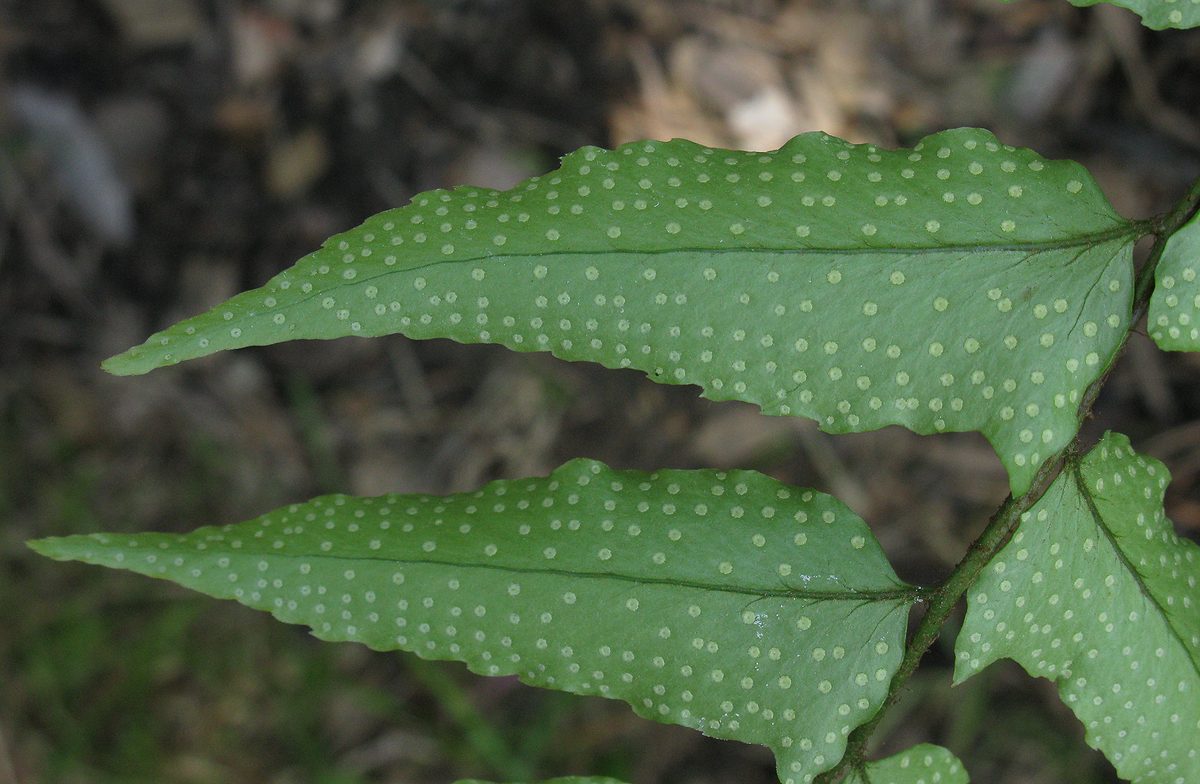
[725, 602]
[1157, 14]
[960, 285]
[1096, 592]
[564, 780]
[1174, 318]
[923, 764]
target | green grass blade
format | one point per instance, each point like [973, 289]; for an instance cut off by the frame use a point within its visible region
[961, 285]
[922, 764]
[725, 602]
[1097, 593]
[1174, 318]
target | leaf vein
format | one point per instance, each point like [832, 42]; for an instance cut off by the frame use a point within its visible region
[909, 594]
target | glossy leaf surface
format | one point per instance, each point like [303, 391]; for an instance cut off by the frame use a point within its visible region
[923, 764]
[1174, 317]
[960, 285]
[1097, 593]
[729, 603]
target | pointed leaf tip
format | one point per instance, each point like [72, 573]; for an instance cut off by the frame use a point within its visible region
[95, 549]
[59, 548]
[137, 361]
[125, 364]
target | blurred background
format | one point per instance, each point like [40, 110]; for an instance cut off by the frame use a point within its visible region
[156, 156]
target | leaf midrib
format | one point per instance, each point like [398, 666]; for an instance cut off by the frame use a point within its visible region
[1131, 231]
[1130, 228]
[909, 594]
[1081, 484]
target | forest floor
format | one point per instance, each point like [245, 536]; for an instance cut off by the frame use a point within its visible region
[157, 157]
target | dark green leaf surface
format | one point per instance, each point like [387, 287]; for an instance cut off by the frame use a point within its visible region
[1157, 14]
[923, 764]
[960, 285]
[729, 603]
[1174, 318]
[1097, 593]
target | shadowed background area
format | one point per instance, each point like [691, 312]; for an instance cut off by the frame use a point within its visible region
[157, 157]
